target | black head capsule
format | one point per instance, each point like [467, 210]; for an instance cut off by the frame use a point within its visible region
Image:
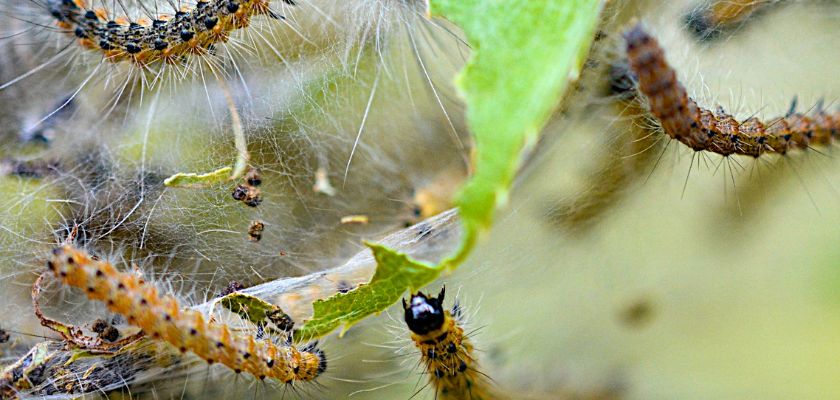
[424, 314]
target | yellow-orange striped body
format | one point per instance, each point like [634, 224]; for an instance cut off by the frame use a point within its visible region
[187, 330]
[444, 350]
[168, 37]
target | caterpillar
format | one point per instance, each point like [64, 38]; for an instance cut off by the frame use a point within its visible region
[445, 351]
[711, 20]
[166, 38]
[718, 132]
[163, 318]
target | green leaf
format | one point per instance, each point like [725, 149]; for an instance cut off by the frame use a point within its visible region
[525, 52]
[193, 180]
[395, 272]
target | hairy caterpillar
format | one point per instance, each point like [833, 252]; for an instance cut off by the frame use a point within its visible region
[445, 350]
[718, 132]
[711, 20]
[162, 317]
[166, 38]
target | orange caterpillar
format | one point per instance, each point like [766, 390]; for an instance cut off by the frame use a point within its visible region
[718, 132]
[163, 318]
[445, 351]
[710, 20]
[166, 38]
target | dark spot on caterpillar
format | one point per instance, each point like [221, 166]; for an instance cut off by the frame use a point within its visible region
[160, 44]
[4, 336]
[462, 367]
[186, 35]
[210, 22]
[133, 48]
[442, 336]
[451, 349]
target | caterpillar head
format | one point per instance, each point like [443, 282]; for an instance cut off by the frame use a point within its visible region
[423, 313]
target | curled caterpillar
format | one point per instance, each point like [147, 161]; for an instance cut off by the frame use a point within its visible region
[718, 132]
[445, 351]
[166, 38]
[162, 317]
